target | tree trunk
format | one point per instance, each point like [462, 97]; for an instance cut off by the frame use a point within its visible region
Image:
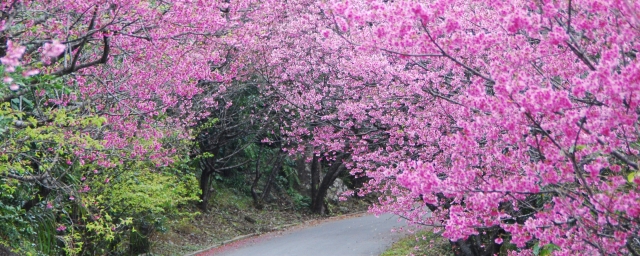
[205, 183]
[479, 245]
[318, 203]
[204, 188]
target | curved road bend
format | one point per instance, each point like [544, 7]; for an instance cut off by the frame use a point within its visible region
[366, 235]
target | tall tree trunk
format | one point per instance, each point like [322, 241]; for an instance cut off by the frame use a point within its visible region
[204, 188]
[205, 182]
[318, 203]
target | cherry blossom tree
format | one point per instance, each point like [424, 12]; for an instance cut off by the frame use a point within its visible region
[315, 79]
[518, 120]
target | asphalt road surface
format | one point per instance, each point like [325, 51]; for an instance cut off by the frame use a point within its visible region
[366, 235]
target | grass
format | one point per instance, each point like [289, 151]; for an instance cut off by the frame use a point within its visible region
[225, 220]
[423, 242]
[426, 243]
[226, 198]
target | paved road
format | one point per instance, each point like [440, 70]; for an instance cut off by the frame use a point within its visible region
[366, 235]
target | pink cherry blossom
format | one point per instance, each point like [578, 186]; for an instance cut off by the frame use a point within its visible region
[30, 73]
[12, 58]
[53, 49]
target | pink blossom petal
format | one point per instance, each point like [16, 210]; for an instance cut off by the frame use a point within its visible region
[30, 72]
[52, 49]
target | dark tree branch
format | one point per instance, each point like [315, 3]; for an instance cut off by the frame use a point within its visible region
[581, 56]
[84, 40]
[102, 60]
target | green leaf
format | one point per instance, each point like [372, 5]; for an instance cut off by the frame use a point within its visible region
[631, 176]
[27, 102]
[536, 249]
[32, 120]
[548, 249]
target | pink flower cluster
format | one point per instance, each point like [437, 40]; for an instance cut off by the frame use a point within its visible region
[12, 58]
[52, 50]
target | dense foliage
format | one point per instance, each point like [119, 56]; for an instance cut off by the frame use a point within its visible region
[495, 122]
